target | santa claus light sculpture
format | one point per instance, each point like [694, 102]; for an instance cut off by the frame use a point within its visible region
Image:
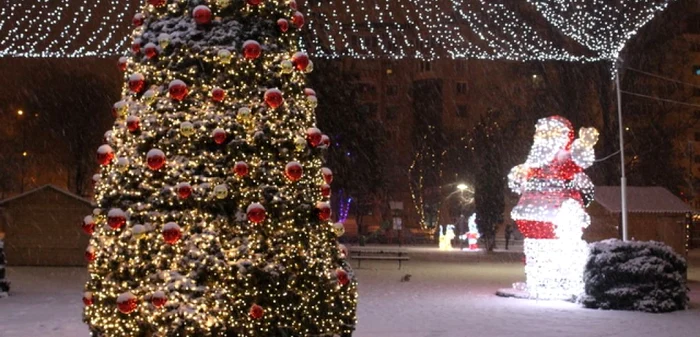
[551, 211]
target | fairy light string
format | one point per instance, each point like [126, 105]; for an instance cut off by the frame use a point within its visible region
[422, 29]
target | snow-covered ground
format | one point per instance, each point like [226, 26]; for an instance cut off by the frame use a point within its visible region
[442, 299]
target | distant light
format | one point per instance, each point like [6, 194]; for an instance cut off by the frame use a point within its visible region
[462, 187]
[389, 71]
[24, 154]
[20, 112]
[627, 128]
[534, 77]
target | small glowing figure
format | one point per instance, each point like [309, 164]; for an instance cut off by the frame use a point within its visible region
[446, 237]
[473, 235]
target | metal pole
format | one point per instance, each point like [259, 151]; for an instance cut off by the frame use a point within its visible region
[623, 179]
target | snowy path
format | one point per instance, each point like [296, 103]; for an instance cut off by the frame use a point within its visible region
[443, 299]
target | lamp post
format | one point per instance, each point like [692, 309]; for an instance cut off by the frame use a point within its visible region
[20, 116]
[623, 178]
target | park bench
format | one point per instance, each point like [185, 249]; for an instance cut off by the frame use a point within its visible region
[378, 253]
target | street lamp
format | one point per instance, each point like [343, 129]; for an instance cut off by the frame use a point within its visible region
[20, 115]
[462, 187]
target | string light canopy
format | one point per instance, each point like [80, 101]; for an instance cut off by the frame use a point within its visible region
[572, 30]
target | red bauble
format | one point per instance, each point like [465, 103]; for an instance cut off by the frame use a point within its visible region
[171, 233]
[324, 211]
[184, 190]
[256, 213]
[241, 169]
[256, 311]
[251, 49]
[157, 3]
[325, 142]
[298, 19]
[178, 90]
[88, 225]
[309, 92]
[326, 190]
[283, 24]
[133, 123]
[314, 136]
[294, 171]
[253, 2]
[150, 50]
[327, 175]
[126, 303]
[202, 15]
[218, 94]
[273, 98]
[158, 299]
[136, 82]
[293, 4]
[90, 254]
[300, 60]
[116, 218]
[138, 19]
[342, 276]
[105, 155]
[155, 159]
[136, 46]
[123, 62]
[88, 299]
[219, 135]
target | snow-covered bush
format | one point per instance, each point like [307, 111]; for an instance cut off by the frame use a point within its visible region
[4, 284]
[635, 275]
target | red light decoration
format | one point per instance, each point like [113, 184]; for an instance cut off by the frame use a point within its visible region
[256, 213]
[158, 299]
[202, 15]
[256, 311]
[127, 303]
[116, 218]
[155, 159]
[283, 25]
[136, 82]
[178, 90]
[298, 20]
[171, 233]
[273, 98]
[105, 155]
[88, 225]
[241, 169]
[184, 190]
[293, 171]
[251, 49]
[133, 123]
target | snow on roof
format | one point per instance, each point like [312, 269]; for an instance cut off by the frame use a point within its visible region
[49, 186]
[651, 199]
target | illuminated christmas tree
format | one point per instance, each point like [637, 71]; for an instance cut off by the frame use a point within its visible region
[213, 215]
[551, 214]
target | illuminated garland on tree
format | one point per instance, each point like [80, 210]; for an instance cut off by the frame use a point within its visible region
[213, 215]
[423, 29]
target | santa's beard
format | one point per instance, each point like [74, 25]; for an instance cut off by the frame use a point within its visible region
[542, 153]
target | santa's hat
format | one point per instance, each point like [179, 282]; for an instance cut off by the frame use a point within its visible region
[561, 123]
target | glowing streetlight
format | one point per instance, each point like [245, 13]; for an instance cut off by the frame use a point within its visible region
[20, 112]
[462, 187]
